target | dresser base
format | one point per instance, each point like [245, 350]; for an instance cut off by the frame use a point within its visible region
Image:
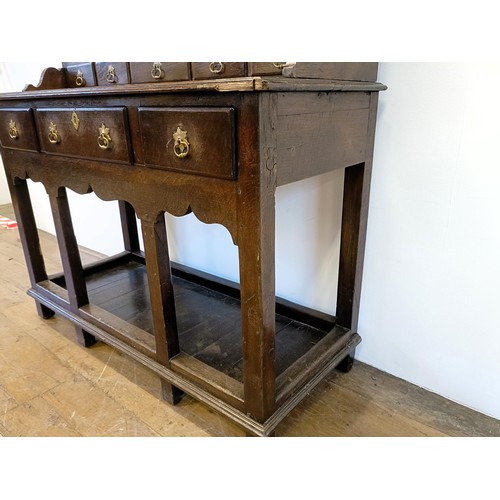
[209, 367]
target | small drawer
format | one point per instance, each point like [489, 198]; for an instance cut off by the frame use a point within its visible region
[208, 70]
[79, 75]
[191, 140]
[151, 72]
[111, 73]
[265, 68]
[100, 133]
[17, 130]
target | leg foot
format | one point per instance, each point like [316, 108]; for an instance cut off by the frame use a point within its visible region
[346, 364]
[43, 311]
[170, 393]
[84, 338]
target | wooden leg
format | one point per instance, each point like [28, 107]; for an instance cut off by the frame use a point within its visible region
[256, 233]
[30, 241]
[70, 257]
[129, 227]
[353, 233]
[162, 298]
[352, 245]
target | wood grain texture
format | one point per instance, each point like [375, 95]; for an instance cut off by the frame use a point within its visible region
[243, 84]
[23, 121]
[320, 133]
[120, 70]
[83, 73]
[210, 133]
[142, 72]
[161, 295]
[357, 71]
[239, 151]
[201, 70]
[83, 142]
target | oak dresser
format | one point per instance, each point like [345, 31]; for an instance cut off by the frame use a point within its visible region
[215, 139]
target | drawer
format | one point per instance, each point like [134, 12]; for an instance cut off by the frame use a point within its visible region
[150, 72]
[208, 70]
[100, 133]
[193, 140]
[17, 130]
[265, 68]
[111, 73]
[79, 75]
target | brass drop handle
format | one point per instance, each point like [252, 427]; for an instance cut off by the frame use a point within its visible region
[110, 75]
[104, 138]
[79, 81]
[279, 65]
[156, 72]
[53, 134]
[13, 132]
[216, 67]
[181, 143]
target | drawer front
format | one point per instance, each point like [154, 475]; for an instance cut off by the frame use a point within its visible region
[79, 75]
[111, 73]
[100, 133]
[17, 130]
[192, 140]
[208, 70]
[264, 68]
[151, 72]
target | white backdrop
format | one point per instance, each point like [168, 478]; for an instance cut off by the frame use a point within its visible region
[429, 299]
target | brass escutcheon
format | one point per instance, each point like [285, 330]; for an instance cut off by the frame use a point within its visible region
[75, 120]
[104, 138]
[79, 81]
[216, 67]
[53, 134]
[181, 143]
[157, 72]
[13, 132]
[110, 75]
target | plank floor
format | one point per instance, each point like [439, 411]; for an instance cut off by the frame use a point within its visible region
[51, 386]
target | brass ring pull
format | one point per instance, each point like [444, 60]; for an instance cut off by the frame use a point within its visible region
[181, 144]
[13, 132]
[79, 81]
[104, 138]
[53, 134]
[279, 65]
[216, 67]
[157, 72]
[110, 75]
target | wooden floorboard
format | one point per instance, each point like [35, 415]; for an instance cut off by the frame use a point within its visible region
[51, 386]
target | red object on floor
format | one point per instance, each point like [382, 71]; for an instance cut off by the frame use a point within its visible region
[9, 224]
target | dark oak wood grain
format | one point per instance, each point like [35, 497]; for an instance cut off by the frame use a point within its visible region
[83, 140]
[149, 72]
[80, 74]
[18, 129]
[237, 348]
[358, 71]
[70, 256]
[209, 132]
[112, 73]
[207, 70]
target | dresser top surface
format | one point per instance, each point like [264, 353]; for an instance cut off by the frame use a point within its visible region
[243, 84]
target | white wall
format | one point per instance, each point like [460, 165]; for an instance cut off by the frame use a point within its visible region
[429, 298]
